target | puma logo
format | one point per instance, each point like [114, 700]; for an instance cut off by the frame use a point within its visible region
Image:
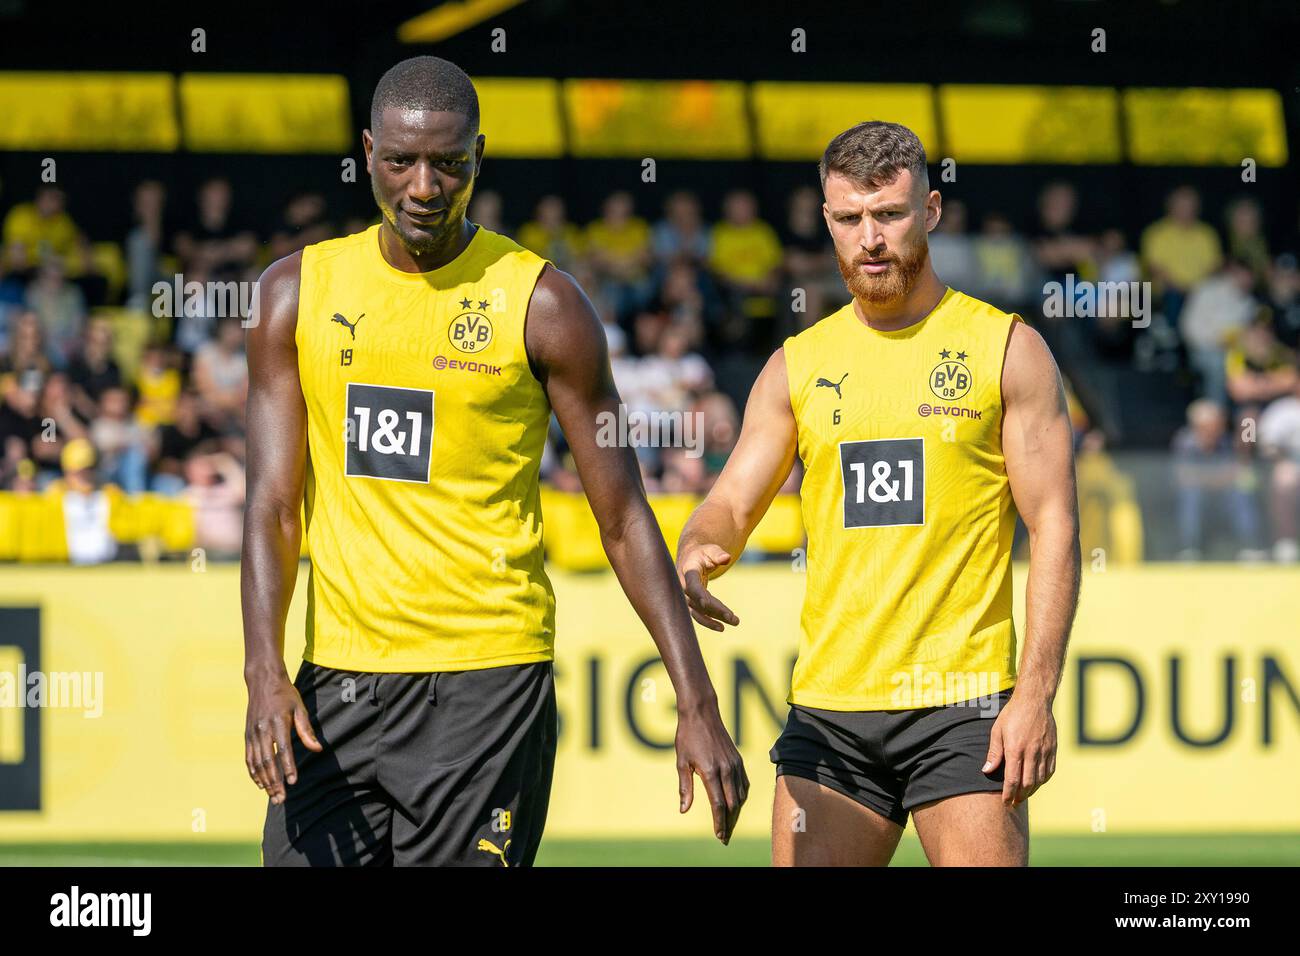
[826, 383]
[489, 847]
[352, 326]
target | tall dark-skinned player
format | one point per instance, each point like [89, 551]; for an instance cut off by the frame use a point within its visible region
[401, 383]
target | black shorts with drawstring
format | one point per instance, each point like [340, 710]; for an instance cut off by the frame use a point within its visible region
[445, 769]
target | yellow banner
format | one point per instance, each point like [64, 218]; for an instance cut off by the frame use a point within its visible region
[1179, 711]
[266, 113]
[1205, 127]
[88, 111]
[660, 119]
[798, 120]
[520, 117]
[1030, 124]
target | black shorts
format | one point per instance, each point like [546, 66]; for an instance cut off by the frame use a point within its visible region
[892, 761]
[447, 769]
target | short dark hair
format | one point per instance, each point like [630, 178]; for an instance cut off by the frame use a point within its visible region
[874, 153]
[425, 83]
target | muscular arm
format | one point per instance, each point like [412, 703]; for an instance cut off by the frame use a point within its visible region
[277, 454]
[716, 533]
[566, 345]
[1039, 454]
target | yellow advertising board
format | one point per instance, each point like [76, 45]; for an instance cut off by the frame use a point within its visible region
[1179, 710]
[520, 117]
[88, 111]
[1205, 127]
[798, 120]
[266, 113]
[1030, 124]
[670, 119]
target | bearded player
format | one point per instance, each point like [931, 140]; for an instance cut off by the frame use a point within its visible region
[401, 383]
[925, 419]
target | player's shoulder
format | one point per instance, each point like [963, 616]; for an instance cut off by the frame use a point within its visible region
[819, 333]
[498, 246]
[330, 249]
[967, 307]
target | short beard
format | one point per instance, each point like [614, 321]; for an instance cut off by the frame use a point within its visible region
[417, 244]
[893, 285]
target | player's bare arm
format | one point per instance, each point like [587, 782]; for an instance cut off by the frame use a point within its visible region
[716, 533]
[567, 348]
[277, 454]
[1039, 455]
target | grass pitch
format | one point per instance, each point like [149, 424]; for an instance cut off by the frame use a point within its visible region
[1100, 849]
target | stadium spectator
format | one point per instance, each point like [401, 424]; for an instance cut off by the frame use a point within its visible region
[158, 382]
[85, 506]
[485, 209]
[684, 472]
[952, 249]
[1059, 248]
[674, 374]
[1005, 265]
[221, 377]
[633, 374]
[551, 235]
[1216, 313]
[1284, 299]
[20, 425]
[215, 489]
[1279, 440]
[681, 234]
[17, 470]
[214, 242]
[720, 425]
[689, 297]
[60, 308]
[1210, 478]
[1180, 251]
[1246, 240]
[615, 337]
[121, 442]
[747, 256]
[618, 250]
[27, 357]
[93, 370]
[145, 243]
[1109, 517]
[304, 222]
[55, 425]
[42, 229]
[195, 316]
[1113, 335]
[176, 442]
[1259, 368]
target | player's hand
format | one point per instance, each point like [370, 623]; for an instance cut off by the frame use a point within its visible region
[694, 568]
[705, 747]
[1024, 738]
[275, 711]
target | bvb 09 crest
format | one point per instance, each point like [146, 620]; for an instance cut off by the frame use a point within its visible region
[950, 379]
[470, 332]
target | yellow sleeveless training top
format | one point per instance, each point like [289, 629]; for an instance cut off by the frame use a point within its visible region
[907, 509]
[425, 428]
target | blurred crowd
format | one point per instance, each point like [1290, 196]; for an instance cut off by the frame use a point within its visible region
[100, 388]
[1223, 313]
